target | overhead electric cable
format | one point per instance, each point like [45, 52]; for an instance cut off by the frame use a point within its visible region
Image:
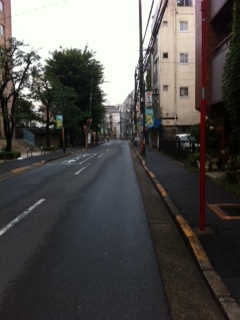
[155, 31]
[35, 9]
[149, 16]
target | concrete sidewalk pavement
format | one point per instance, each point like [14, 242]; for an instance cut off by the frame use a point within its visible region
[217, 248]
[28, 160]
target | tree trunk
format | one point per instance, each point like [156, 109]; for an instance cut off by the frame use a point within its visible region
[47, 129]
[8, 125]
[9, 143]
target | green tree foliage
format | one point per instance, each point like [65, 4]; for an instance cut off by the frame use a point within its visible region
[231, 79]
[79, 71]
[16, 70]
[24, 114]
[43, 91]
[211, 137]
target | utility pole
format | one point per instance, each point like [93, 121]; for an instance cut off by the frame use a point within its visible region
[202, 122]
[89, 120]
[63, 124]
[135, 108]
[141, 80]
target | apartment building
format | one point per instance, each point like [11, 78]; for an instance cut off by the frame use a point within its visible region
[112, 123]
[5, 34]
[174, 70]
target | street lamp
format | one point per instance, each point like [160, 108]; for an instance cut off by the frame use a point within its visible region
[60, 122]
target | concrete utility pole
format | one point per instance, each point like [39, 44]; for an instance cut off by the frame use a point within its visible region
[141, 80]
[89, 120]
[202, 122]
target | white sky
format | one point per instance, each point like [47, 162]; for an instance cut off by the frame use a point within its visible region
[109, 27]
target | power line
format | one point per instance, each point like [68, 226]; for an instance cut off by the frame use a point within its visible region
[160, 13]
[149, 16]
[32, 10]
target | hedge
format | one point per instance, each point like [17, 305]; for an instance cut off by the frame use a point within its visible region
[10, 155]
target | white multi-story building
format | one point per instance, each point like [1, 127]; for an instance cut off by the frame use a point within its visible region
[112, 121]
[174, 68]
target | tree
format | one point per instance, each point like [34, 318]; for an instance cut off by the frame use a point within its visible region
[80, 71]
[16, 68]
[43, 90]
[231, 79]
[24, 113]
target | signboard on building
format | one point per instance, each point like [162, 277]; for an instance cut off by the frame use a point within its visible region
[149, 120]
[148, 99]
[59, 121]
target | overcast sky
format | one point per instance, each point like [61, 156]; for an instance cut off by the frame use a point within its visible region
[109, 27]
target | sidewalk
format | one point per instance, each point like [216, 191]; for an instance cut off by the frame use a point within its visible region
[27, 160]
[217, 248]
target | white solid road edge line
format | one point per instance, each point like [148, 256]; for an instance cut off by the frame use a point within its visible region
[20, 217]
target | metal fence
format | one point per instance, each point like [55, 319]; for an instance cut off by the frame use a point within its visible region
[177, 149]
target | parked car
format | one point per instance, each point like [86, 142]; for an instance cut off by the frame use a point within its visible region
[185, 141]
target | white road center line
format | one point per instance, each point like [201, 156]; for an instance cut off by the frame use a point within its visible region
[100, 155]
[20, 217]
[83, 168]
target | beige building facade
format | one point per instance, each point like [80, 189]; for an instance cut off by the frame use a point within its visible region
[174, 64]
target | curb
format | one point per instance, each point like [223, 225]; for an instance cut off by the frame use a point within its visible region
[229, 305]
[36, 164]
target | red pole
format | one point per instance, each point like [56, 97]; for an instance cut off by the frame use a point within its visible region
[202, 121]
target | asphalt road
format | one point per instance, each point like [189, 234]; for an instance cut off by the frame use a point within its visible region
[75, 241]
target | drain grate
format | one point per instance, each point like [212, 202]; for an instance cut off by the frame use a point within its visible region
[226, 211]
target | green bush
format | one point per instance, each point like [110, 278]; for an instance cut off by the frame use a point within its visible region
[229, 183]
[233, 163]
[10, 155]
[192, 159]
[51, 148]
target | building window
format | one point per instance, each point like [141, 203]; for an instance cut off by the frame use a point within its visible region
[183, 92]
[183, 26]
[2, 30]
[184, 3]
[165, 55]
[183, 59]
[1, 6]
[165, 87]
[165, 24]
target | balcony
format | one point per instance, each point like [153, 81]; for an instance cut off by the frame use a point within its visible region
[221, 9]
